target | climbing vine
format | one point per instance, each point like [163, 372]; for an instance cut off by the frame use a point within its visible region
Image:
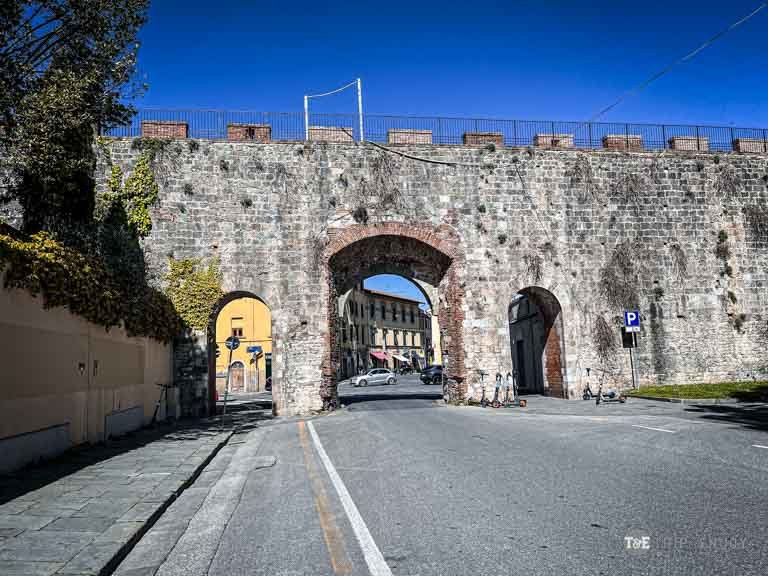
[604, 339]
[62, 276]
[136, 196]
[620, 278]
[194, 289]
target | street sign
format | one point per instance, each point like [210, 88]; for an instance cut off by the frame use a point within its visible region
[628, 339]
[232, 343]
[253, 349]
[632, 320]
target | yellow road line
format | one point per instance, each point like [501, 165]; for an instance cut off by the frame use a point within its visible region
[334, 540]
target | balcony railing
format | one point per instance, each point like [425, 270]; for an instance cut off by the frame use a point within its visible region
[290, 127]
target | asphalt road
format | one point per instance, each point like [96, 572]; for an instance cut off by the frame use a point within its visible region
[556, 488]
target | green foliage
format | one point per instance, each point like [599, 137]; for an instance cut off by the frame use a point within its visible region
[63, 276]
[745, 390]
[139, 194]
[136, 197]
[66, 70]
[194, 289]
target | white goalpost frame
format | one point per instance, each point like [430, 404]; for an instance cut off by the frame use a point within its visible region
[358, 82]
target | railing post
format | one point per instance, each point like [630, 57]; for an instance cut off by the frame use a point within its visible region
[552, 139]
[589, 125]
[698, 145]
[765, 140]
[663, 137]
[514, 132]
[732, 135]
[626, 136]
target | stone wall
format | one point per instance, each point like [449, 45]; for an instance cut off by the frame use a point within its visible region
[599, 230]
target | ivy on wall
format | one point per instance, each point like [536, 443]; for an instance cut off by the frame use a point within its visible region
[137, 196]
[194, 289]
[63, 276]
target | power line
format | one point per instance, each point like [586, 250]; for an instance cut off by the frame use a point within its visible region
[685, 58]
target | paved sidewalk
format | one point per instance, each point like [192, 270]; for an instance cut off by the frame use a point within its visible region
[85, 522]
[184, 541]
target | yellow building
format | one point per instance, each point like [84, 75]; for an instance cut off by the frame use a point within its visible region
[249, 320]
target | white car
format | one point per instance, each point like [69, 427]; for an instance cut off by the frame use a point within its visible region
[375, 376]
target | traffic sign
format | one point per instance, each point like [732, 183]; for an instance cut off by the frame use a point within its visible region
[632, 320]
[253, 349]
[232, 343]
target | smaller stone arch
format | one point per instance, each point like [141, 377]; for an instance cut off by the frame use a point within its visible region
[537, 342]
[211, 339]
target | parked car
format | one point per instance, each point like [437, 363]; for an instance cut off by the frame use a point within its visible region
[432, 374]
[375, 376]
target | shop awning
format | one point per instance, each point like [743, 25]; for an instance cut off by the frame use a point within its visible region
[401, 358]
[380, 355]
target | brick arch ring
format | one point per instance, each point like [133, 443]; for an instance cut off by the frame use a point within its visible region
[442, 240]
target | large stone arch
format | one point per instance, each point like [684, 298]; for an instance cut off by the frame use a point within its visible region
[427, 254]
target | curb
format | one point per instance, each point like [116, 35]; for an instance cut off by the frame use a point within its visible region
[683, 401]
[112, 564]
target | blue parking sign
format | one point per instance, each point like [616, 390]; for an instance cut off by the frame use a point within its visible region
[632, 320]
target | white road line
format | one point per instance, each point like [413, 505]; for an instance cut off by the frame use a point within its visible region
[759, 446]
[373, 556]
[651, 428]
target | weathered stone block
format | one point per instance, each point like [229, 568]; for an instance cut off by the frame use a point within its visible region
[483, 138]
[750, 145]
[553, 140]
[690, 143]
[249, 132]
[402, 136]
[623, 142]
[331, 134]
[164, 129]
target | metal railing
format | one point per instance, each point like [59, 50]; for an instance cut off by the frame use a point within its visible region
[289, 126]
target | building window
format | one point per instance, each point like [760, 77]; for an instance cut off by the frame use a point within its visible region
[383, 312]
[412, 320]
[394, 312]
[373, 310]
[237, 332]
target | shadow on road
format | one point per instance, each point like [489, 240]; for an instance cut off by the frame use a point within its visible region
[754, 417]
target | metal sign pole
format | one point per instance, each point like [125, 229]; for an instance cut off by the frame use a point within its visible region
[632, 363]
[226, 386]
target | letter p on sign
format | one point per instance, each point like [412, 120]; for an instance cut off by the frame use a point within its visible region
[632, 320]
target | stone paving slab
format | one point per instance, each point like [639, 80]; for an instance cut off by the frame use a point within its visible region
[84, 522]
[191, 526]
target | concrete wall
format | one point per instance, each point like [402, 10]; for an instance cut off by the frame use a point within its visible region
[523, 217]
[64, 381]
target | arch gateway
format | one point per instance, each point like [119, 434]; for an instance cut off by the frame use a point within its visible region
[580, 235]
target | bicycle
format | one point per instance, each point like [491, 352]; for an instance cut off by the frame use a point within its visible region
[163, 396]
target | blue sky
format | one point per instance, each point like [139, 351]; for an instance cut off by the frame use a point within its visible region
[395, 285]
[536, 59]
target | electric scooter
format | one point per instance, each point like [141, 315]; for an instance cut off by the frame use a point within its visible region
[496, 403]
[587, 394]
[515, 400]
[483, 400]
[610, 396]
